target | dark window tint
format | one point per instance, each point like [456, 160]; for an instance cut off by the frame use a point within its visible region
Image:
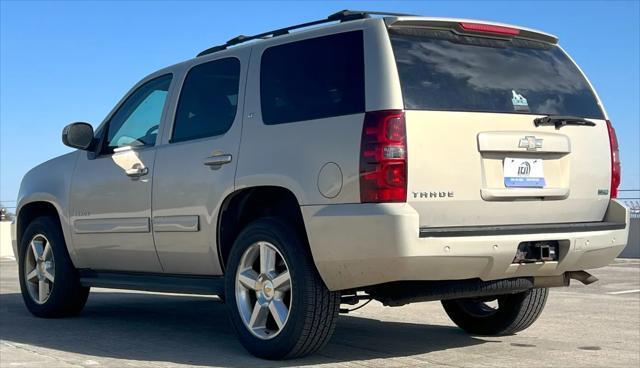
[208, 101]
[312, 79]
[137, 120]
[440, 70]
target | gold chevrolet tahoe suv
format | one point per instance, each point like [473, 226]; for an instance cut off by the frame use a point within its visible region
[389, 157]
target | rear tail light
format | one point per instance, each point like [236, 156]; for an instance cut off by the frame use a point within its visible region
[383, 157]
[488, 28]
[615, 160]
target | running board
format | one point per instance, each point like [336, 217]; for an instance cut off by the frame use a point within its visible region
[181, 284]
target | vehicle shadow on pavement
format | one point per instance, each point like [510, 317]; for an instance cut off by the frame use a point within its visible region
[192, 330]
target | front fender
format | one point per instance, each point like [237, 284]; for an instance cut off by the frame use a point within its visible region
[48, 183]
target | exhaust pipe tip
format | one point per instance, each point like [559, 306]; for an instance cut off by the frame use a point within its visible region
[582, 276]
[550, 281]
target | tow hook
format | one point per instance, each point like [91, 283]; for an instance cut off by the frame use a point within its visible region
[582, 276]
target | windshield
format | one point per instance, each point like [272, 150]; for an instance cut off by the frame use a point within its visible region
[440, 70]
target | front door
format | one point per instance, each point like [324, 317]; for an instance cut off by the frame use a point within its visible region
[195, 169]
[110, 196]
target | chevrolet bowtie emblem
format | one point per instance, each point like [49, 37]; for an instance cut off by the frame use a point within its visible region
[530, 142]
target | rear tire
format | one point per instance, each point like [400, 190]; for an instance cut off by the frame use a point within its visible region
[514, 313]
[276, 319]
[49, 283]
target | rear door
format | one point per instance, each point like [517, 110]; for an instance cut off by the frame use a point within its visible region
[195, 168]
[475, 155]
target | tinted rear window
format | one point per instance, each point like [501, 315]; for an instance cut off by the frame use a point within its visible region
[440, 70]
[313, 79]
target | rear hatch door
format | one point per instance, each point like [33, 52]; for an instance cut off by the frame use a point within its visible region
[475, 155]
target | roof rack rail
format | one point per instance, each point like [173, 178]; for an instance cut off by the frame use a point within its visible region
[341, 16]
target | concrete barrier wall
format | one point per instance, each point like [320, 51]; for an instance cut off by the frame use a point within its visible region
[5, 239]
[632, 250]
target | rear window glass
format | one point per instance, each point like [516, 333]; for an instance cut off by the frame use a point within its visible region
[313, 79]
[440, 70]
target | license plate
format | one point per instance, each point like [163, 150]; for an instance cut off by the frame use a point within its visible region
[523, 173]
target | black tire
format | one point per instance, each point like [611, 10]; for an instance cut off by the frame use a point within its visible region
[314, 309]
[515, 312]
[67, 297]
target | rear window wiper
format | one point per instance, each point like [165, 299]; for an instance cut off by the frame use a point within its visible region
[560, 121]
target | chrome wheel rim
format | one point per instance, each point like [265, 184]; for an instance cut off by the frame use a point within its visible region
[263, 290]
[39, 269]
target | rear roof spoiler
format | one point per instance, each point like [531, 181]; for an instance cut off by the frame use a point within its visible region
[392, 20]
[469, 27]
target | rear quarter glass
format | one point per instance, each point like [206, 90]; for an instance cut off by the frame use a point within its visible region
[314, 78]
[440, 70]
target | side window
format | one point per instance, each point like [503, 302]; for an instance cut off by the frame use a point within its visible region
[312, 79]
[208, 100]
[137, 120]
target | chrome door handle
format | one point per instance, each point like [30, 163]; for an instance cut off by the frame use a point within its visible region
[137, 171]
[217, 160]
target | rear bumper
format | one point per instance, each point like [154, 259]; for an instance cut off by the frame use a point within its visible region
[357, 245]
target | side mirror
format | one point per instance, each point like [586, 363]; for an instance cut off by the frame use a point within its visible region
[78, 135]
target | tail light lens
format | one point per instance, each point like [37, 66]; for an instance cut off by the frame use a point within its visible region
[383, 157]
[615, 160]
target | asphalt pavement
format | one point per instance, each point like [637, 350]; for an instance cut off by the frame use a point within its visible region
[582, 326]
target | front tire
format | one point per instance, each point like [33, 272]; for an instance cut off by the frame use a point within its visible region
[279, 305]
[514, 312]
[49, 283]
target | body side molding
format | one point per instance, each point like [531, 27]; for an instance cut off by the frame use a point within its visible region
[187, 223]
[112, 225]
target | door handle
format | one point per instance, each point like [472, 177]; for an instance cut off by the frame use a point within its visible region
[137, 171]
[217, 160]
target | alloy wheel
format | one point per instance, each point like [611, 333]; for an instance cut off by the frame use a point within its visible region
[263, 290]
[39, 269]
